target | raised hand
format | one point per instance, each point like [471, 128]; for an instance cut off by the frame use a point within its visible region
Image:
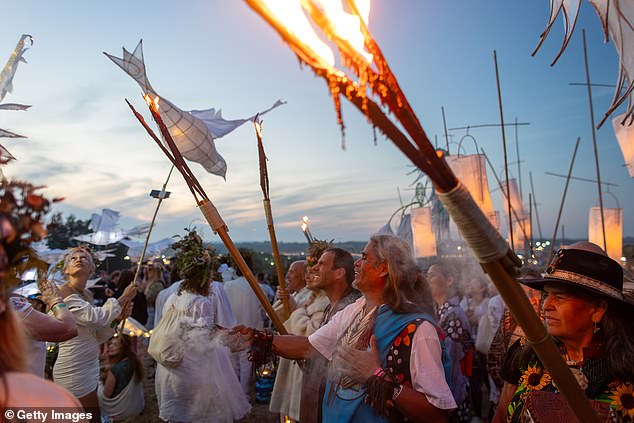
[51, 294]
[239, 338]
[128, 294]
[356, 364]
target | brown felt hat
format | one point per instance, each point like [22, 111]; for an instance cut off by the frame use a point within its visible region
[587, 270]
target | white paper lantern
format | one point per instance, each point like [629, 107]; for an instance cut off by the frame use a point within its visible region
[613, 230]
[471, 170]
[519, 216]
[423, 239]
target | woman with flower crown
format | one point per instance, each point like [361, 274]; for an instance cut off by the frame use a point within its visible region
[586, 314]
[195, 381]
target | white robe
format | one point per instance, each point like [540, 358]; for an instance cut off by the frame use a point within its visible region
[287, 391]
[247, 311]
[203, 387]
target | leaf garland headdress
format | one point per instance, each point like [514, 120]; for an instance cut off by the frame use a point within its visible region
[194, 261]
[315, 249]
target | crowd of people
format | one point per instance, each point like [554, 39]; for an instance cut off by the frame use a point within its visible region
[376, 338]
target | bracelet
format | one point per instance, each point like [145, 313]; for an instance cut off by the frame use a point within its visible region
[262, 348]
[378, 372]
[58, 306]
[57, 301]
[380, 389]
[397, 391]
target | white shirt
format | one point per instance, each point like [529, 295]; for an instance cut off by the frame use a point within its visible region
[36, 350]
[428, 376]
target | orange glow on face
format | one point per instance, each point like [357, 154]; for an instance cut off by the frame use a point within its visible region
[345, 25]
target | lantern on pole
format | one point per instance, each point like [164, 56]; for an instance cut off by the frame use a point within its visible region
[613, 229]
[521, 222]
[471, 170]
[423, 239]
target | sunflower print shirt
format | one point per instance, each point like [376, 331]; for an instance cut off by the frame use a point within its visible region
[526, 372]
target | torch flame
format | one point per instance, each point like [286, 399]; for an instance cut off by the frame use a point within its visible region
[154, 104]
[346, 25]
[258, 128]
[305, 219]
[291, 15]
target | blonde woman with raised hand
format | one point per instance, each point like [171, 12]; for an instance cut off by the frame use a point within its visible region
[77, 365]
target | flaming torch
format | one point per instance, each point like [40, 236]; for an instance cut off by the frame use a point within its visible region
[264, 183]
[204, 203]
[371, 86]
[306, 230]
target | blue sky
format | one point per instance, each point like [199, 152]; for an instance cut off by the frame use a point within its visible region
[85, 145]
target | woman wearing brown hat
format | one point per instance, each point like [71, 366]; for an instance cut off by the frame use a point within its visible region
[585, 312]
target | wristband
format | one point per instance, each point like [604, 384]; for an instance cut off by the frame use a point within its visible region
[378, 372]
[58, 306]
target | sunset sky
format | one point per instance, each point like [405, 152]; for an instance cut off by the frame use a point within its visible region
[84, 144]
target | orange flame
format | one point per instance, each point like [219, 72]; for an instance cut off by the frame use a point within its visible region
[154, 104]
[291, 15]
[345, 25]
[304, 225]
[258, 128]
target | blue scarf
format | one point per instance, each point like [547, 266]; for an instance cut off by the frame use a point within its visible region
[348, 405]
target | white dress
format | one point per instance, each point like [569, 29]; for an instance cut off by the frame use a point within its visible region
[203, 387]
[248, 312]
[77, 365]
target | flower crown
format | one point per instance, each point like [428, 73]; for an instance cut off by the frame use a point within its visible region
[315, 249]
[22, 211]
[194, 260]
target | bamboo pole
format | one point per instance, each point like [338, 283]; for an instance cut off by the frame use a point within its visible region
[276, 255]
[594, 139]
[223, 233]
[147, 238]
[264, 184]
[504, 193]
[539, 225]
[207, 208]
[530, 225]
[519, 161]
[506, 166]
[444, 124]
[563, 200]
